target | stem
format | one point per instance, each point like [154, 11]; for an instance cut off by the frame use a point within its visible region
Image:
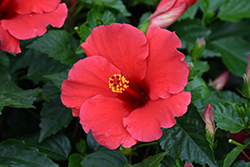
[234, 142]
[145, 144]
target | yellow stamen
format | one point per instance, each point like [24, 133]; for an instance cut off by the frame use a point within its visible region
[118, 83]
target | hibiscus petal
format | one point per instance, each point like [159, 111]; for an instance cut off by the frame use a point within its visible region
[144, 123]
[32, 25]
[121, 44]
[87, 78]
[167, 73]
[34, 6]
[8, 43]
[104, 116]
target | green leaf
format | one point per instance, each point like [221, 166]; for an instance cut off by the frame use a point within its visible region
[218, 97]
[57, 78]
[187, 139]
[15, 153]
[56, 147]
[117, 5]
[234, 10]
[75, 160]
[152, 161]
[228, 29]
[51, 92]
[233, 155]
[112, 4]
[227, 117]
[189, 30]
[198, 89]
[190, 12]
[92, 143]
[105, 158]
[54, 117]
[81, 146]
[44, 65]
[241, 163]
[234, 53]
[4, 59]
[13, 96]
[58, 44]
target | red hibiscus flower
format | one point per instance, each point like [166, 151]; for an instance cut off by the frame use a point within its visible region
[168, 11]
[25, 19]
[129, 86]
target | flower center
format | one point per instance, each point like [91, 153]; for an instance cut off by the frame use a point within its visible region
[119, 84]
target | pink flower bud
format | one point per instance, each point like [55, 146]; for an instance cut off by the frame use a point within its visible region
[248, 69]
[208, 118]
[221, 80]
[201, 42]
[188, 164]
[168, 11]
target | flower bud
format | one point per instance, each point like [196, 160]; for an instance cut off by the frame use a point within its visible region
[168, 11]
[221, 80]
[198, 48]
[191, 71]
[208, 118]
[248, 69]
[188, 164]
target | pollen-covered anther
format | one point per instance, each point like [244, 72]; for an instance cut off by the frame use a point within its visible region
[118, 83]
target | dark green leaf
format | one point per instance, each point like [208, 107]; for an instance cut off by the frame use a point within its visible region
[234, 53]
[107, 17]
[187, 139]
[152, 161]
[75, 160]
[4, 59]
[54, 117]
[13, 96]
[190, 12]
[233, 155]
[112, 4]
[228, 29]
[15, 153]
[57, 78]
[51, 92]
[227, 117]
[92, 143]
[218, 97]
[56, 147]
[234, 10]
[105, 158]
[201, 66]
[189, 30]
[117, 5]
[81, 146]
[44, 65]
[58, 44]
[241, 163]
[198, 89]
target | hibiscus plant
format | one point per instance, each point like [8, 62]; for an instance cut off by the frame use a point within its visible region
[124, 83]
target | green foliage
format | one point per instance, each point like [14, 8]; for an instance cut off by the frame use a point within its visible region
[227, 117]
[15, 153]
[187, 139]
[58, 44]
[234, 58]
[13, 96]
[198, 89]
[105, 158]
[152, 161]
[56, 147]
[54, 117]
[234, 10]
